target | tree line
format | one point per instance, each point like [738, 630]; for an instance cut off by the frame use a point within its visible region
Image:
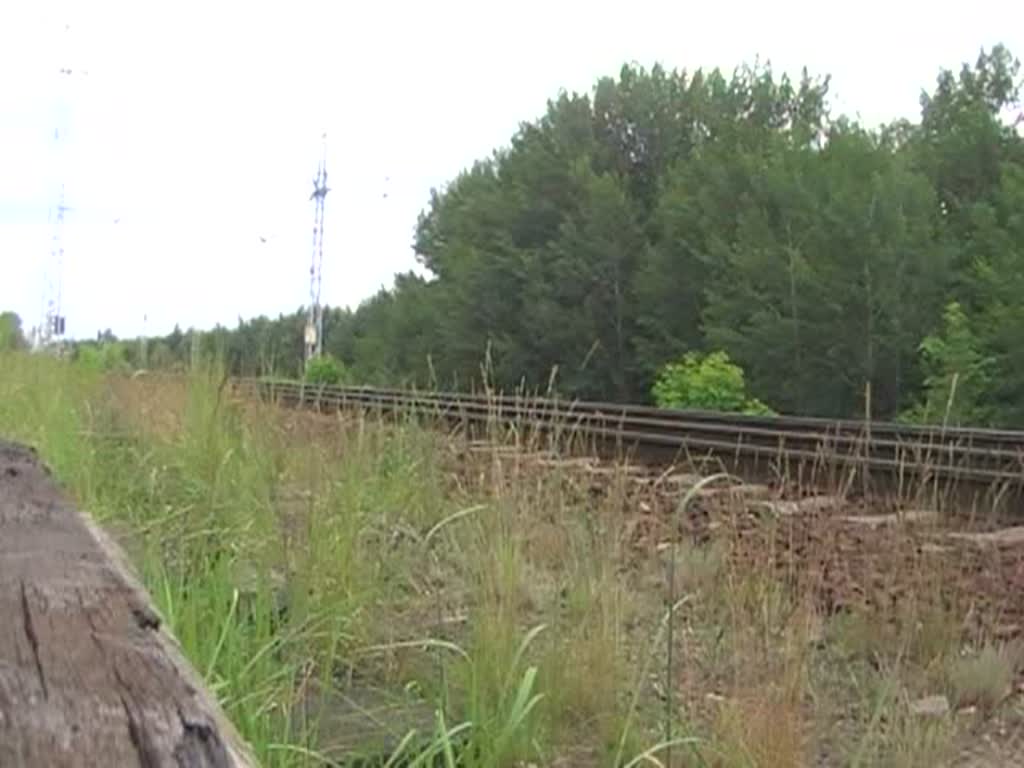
[669, 215]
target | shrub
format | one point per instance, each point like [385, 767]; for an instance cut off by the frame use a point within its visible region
[707, 382]
[958, 377]
[325, 370]
[11, 336]
[108, 357]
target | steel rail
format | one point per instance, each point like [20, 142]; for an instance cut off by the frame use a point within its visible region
[578, 416]
[894, 449]
[976, 435]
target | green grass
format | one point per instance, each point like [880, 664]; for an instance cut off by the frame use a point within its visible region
[984, 678]
[286, 563]
[296, 556]
[189, 509]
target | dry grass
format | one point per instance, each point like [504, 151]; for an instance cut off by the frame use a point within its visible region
[762, 727]
[423, 560]
[584, 550]
[985, 678]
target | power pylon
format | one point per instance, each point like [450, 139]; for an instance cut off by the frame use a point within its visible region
[53, 323]
[315, 319]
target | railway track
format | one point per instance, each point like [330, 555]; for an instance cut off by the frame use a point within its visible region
[953, 455]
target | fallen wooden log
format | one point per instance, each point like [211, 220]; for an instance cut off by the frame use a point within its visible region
[88, 676]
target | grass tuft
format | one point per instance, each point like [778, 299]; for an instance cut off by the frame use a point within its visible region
[985, 678]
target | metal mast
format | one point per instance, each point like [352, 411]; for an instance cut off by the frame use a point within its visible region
[54, 321]
[52, 324]
[315, 318]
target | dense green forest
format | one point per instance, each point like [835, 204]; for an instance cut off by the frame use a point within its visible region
[674, 212]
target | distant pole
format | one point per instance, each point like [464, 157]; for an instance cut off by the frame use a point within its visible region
[143, 346]
[53, 323]
[314, 336]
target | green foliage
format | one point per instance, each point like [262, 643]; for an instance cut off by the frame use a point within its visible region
[501, 700]
[108, 357]
[325, 370]
[705, 382]
[670, 211]
[957, 380]
[11, 335]
[812, 330]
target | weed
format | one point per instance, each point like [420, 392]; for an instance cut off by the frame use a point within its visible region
[896, 737]
[984, 678]
[761, 727]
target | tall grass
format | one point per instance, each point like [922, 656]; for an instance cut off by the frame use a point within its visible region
[190, 506]
[280, 557]
[538, 611]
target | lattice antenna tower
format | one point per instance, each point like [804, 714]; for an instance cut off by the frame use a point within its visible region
[53, 322]
[315, 318]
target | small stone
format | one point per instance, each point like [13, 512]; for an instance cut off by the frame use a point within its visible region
[930, 706]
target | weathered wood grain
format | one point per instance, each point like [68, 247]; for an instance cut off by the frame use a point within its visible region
[88, 676]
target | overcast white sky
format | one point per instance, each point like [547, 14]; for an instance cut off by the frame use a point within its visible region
[197, 128]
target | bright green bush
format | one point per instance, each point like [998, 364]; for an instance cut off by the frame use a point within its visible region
[108, 357]
[325, 370]
[709, 382]
[958, 376]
